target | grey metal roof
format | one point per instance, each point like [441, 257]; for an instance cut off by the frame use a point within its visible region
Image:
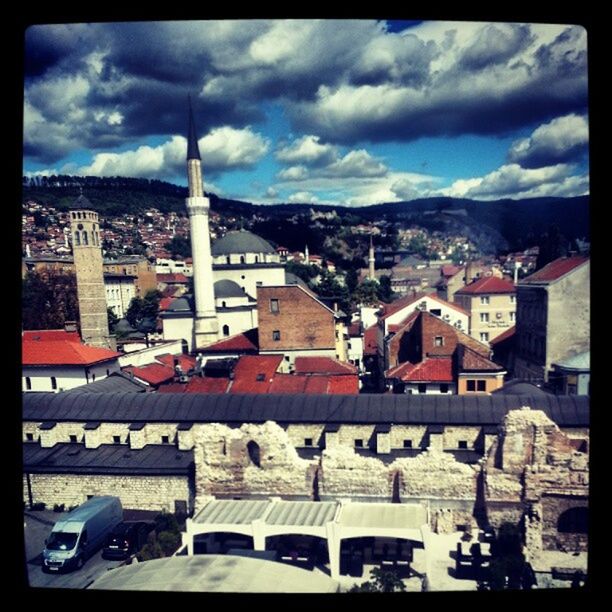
[230, 511]
[227, 288]
[241, 242]
[581, 361]
[116, 382]
[181, 304]
[301, 513]
[566, 411]
[106, 459]
[520, 387]
[393, 516]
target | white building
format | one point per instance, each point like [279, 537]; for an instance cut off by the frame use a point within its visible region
[56, 360]
[120, 290]
[173, 266]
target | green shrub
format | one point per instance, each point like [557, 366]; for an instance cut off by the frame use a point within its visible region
[166, 522]
[169, 542]
[38, 506]
[58, 508]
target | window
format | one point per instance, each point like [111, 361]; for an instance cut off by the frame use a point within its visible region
[116, 439]
[226, 330]
[254, 453]
[513, 299]
[358, 443]
[481, 385]
[165, 439]
[484, 317]
[28, 383]
[77, 239]
[85, 241]
[307, 441]
[407, 443]
[484, 299]
[53, 382]
[242, 259]
[227, 260]
[29, 437]
[471, 385]
[72, 438]
[286, 357]
[256, 259]
[443, 388]
[422, 388]
[93, 377]
[223, 304]
[512, 317]
[439, 341]
[274, 307]
[276, 335]
[484, 336]
[436, 311]
[462, 444]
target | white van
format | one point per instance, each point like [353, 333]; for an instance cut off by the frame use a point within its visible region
[76, 537]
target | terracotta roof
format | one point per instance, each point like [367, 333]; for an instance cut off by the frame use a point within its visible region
[170, 277]
[316, 384]
[439, 369]
[488, 284]
[185, 361]
[198, 384]
[62, 352]
[390, 309]
[165, 302]
[555, 269]
[47, 335]
[449, 270]
[323, 365]
[246, 341]
[153, 374]
[370, 340]
[471, 360]
[507, 334]
[287, 383]
[343, 384]
[253, 373]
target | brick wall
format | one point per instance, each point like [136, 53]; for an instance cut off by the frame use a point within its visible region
[302, 321]
[136, 492]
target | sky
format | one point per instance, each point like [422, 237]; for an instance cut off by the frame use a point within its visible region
[347, 112]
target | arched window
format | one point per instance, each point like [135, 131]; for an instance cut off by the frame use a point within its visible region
[227, 259]
[226, 330]
[256, 258]
[77, 239]
[242, 259]
[85, 238]
[224, 305]
[574, 520]
[254, 453]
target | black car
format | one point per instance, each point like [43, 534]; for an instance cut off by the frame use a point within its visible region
[126, 539]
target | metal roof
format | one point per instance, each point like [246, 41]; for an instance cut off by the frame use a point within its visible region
[566, 411]
[117, 381]
[106, 459]
[301, 513]
[240, 241]
[230, 511]
[391, 516]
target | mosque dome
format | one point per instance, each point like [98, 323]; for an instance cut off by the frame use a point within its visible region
[241, 242]
[228, 289]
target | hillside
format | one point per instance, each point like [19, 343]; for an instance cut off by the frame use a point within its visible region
[493, 225]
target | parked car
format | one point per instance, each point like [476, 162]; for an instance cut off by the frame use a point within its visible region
[126, 539]
[83, 531]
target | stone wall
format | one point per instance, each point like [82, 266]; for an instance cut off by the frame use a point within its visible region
[453, 435]
[298, 433]
[136, 492]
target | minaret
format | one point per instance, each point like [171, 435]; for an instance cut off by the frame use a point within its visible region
[306, 256]
[205, 325]
[371, 261]
[86, 241]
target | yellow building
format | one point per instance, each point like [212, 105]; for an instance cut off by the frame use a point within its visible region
[491, 302]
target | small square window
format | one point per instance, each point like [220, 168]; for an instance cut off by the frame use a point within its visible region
[436, 312]
[53, 382]
[276, 335]
[407, 443]
[274, 307]
[471, 385]
[439, 341]
[165, 439]
[443, 388]
[484, 299]
[29, 437]
[116, 439]
[307, 441]
[422, 388]
[481, 385]
[484, 336]
[462, 444]
[72, 438]
[358, 443]
[484, 317]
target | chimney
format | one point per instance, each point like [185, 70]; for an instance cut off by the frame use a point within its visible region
[70, 326]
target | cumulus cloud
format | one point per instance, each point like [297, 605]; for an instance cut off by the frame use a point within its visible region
[307, 150]
[303, 197]
[293, 173]
[563, 139]
[223, 149]
[512, 181]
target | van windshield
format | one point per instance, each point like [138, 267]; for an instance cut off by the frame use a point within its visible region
[59, 540]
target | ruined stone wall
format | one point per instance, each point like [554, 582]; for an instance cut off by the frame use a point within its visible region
[416, 433]
[298, 433]
[349, 433]
[454, 434]
[153, 432]
[136, 492]
[224, 466]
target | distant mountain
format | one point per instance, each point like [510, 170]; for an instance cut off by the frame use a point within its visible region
[493, 225]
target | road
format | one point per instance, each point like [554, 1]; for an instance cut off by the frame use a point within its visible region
[37, 526]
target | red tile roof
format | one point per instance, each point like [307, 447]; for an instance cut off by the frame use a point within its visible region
[246, 341]
[390, 309]
[170, 277]
[47, 335]
[153, 374]
[370, 342]
[507, 334]
[250, 368]
[185, 361]
[471, 360]
[165, 302]
[287, 383]
[555, 269]
[323, 365]
[62, 352]
[316, 384]
[343, 384]
[438, 369]
[449, 270]
[197, 384]
[488, 284]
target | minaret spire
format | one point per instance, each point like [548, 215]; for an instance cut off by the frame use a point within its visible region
[193, 151]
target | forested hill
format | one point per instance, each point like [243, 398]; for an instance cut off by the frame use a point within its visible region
[511, 221]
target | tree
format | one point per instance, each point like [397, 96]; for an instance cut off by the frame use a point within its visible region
[142, 313]
[383, 581]
[352, 280]
[329, 287]
[366, 294]
[179, 246]
[48, 300]
[306, 273]
[552, 246]
[113, 319]
[385, 293]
